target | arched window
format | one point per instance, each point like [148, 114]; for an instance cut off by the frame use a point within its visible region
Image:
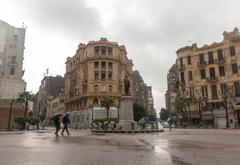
[95, 102]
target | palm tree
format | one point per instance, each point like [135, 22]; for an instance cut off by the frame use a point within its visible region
[200, 100]
[181, 103]
[25, 97]
[106, 102]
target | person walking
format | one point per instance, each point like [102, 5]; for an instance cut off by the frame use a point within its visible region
[56, 120]
[169, 121]
[65, 121]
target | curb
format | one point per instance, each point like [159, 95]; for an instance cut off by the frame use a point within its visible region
[127, 131]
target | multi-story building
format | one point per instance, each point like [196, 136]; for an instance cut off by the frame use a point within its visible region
[96, 70]
[51, 87]
[212, 72]
[142, 94]
[11, 61]
[11, 82]
[172, 89]
[139, 90]
[151, 111]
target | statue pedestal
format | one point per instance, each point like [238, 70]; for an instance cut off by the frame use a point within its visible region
[126, 113]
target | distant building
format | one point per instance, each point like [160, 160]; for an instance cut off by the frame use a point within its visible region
[142, 94]
[172, 89]
[51, 88]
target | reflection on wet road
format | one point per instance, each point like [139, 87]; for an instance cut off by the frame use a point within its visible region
[180, 147]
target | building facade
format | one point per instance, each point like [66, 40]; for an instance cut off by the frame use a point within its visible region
[172, 89]
[142, 94]
[96, 70]
[11, 61]
[210, 79]
[51, 87]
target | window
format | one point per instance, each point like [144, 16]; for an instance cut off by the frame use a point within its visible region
[96, 64]
[181, 62]
[96, 75]
[204, 91]
[13, 59]
[15, 37]
[110, 65]
[221, 71]
[220, 54]
[237, 89]
[212, 73]
[12, 71]
[210, 58]
[201, 58]
[110, 88]
[103, 51]
[223, 88]
[182, 77]
[109, 75]
[110, 51]
[103, 75]
[189, 60]
[234, 68]
[95, 88]
[214, 91]
[103, 64]
[97, 49]
[203, 73]
[190, 75]
[232, 51]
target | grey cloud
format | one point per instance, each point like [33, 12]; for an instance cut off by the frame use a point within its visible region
[72, 18]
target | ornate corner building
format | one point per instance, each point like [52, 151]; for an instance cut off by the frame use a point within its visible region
[211, 72]
[96, 70]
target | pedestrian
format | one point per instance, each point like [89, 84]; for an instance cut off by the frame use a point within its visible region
[169, 121]
[65, 121]
[56, 120]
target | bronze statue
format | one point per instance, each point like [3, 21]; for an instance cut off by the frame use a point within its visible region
[126, 85]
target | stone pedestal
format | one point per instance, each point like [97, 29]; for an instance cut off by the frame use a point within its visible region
[126, 113]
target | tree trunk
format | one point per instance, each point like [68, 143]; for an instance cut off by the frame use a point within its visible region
[26, 108]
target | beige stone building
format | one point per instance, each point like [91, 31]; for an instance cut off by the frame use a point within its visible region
[96, 70]
[11, 60]
[213, 73]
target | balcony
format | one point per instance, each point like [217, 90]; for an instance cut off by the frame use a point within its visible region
[212, 79]
[181, 67]
[220, 61]
[202, 63]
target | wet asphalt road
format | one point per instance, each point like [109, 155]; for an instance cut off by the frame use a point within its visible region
[179, 147]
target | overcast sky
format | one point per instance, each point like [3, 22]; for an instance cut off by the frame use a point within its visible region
[151, 30]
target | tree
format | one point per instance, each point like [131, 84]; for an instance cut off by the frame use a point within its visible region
[25, 97]
[138, 112]
[164, 114]
[200, 101]
[181, 103]
[107, 102]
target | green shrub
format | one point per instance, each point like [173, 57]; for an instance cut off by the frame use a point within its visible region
[105, 120]
[31, 120]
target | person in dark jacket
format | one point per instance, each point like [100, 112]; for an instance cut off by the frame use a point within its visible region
[57, 123]
[65, 121]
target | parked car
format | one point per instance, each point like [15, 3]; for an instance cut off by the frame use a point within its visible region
[166, 125]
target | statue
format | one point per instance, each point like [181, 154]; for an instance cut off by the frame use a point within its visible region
[126, 85]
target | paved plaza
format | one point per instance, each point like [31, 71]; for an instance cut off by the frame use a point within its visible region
[178, 147]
